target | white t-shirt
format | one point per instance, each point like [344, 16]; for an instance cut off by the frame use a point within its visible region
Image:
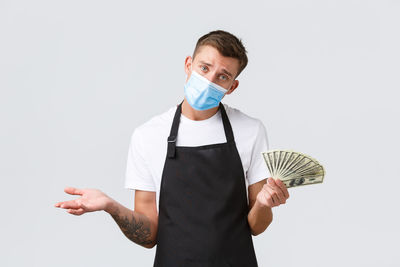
[148, 145]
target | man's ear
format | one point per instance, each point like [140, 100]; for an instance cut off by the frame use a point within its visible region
[188, 64]
[235, 84]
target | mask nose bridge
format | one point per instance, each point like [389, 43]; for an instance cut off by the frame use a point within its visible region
[213, 78]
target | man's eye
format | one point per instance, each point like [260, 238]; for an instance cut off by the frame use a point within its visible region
[223, 77]
[203, 68]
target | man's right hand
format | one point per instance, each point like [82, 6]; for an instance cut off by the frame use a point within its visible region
[139, 225]
[90, 200]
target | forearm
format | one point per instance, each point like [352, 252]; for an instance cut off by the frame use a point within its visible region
[136, 226]
[259, 218]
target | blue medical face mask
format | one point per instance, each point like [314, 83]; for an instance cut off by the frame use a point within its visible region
[201, 93]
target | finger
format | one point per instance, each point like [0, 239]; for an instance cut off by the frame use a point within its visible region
[76, 211]
[271, 182]
[279, 193]
[269, 200]
[71, 204]
[273, 195]
[73, 191]
[267, 196]
[283, 188]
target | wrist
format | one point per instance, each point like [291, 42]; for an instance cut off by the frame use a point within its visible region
[109, 206]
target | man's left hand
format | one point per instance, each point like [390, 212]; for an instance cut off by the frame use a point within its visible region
[273, 193]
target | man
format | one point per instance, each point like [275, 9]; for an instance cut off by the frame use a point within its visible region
[197, 170]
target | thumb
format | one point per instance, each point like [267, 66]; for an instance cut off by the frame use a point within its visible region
[73, 191]
[271, 182]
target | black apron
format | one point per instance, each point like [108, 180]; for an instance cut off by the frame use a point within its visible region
[203, 205]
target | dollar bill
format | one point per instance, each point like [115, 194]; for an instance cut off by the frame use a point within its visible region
[293, 168]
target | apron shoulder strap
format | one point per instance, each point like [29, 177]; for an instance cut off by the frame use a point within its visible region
[174, 132]
[227, 124]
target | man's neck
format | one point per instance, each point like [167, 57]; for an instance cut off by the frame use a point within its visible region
[197, 115]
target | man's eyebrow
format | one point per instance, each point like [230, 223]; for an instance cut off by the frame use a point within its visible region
[227, 72]
[210, 65]
[205, 63]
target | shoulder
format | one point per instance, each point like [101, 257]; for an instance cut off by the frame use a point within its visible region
[242, 120]
[155, 125]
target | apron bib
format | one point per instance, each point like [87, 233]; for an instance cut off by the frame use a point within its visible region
[203, 205]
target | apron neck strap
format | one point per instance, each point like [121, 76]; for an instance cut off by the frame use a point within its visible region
[175, 124]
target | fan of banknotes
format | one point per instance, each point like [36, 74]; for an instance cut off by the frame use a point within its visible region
[293, 168]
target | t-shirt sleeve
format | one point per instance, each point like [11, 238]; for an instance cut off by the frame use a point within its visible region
[258, 170]
[138, 175]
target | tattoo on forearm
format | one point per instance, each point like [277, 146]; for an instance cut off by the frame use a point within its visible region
[136, 230]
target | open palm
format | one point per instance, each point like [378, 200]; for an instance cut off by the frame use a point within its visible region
[90, 200]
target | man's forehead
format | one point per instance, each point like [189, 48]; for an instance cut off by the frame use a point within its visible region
[211, 56]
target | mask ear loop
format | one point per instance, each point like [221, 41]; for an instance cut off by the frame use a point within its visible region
[186, 76]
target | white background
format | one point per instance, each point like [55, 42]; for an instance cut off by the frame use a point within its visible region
[76, 78]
